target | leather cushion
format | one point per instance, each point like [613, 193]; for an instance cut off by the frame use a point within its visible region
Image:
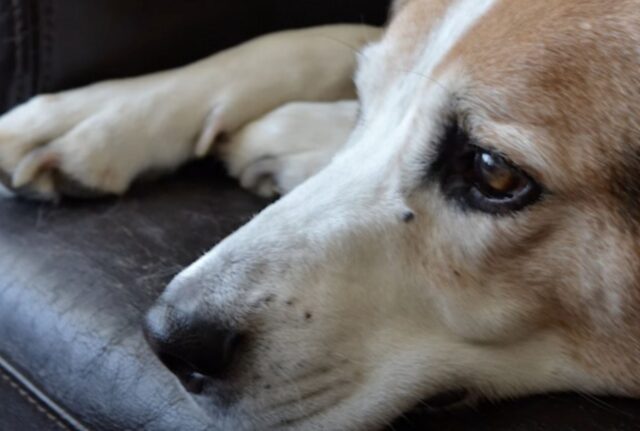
[20, 410]
[75, 281]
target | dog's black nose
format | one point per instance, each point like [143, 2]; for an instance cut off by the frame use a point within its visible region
[188, 346]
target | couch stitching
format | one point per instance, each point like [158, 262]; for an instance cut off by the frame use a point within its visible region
[25, 395]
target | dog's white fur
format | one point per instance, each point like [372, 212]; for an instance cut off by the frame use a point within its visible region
[356, 314]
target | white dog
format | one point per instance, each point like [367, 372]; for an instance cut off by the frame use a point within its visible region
[480, 230]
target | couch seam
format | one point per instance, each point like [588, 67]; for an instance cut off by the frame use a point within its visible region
[25, 395]
[36, 397]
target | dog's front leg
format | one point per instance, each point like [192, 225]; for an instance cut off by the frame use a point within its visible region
[100, 138]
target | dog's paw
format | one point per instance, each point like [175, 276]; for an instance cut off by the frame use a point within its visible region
[68, 143]
[276, 175]
[281, 150]
[25, 131]
[91, 141]
[48, 147]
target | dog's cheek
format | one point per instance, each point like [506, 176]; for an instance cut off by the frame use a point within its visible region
[479, 317]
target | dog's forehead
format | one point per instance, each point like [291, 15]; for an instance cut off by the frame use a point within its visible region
[550, 59]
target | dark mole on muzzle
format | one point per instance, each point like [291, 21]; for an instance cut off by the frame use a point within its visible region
[408, 217]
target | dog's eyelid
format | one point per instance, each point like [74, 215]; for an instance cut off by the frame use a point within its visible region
[458, 127]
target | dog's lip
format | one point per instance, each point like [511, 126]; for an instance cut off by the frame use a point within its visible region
[196, 384]
[438, 404]
[447, 399]
[443, 401]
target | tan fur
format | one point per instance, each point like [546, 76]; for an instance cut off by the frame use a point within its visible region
[568, 72]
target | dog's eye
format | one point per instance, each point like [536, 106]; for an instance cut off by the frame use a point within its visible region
[495, 178]
[483, 180]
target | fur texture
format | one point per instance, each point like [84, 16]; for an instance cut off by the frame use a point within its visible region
[366, 289]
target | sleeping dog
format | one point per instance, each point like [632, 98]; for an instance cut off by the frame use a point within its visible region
[471, 222]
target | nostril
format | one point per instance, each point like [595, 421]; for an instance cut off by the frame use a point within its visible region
[192, 347]
[174, 364]
[209, 351]
[192, 380]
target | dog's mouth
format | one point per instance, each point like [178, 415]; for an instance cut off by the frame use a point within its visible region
[443, 401]
[199, 386]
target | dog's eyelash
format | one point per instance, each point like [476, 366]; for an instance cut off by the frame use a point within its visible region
[452, 140]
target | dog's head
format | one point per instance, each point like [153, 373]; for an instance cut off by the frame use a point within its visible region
[479, 231]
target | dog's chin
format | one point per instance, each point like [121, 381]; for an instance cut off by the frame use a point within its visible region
[269, 407]
[244, 412]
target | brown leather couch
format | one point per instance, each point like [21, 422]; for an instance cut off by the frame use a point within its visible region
[76, 278]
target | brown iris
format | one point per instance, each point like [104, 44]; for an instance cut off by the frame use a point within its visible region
[495, 177]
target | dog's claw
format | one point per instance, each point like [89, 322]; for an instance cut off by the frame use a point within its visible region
[39, 161]
[261, 178]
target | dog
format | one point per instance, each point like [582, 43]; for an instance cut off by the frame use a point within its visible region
[464, 217]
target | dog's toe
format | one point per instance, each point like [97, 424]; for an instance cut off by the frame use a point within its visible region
[262, 178]
[281, 150]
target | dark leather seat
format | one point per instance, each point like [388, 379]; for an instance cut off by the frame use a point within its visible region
[76, 279]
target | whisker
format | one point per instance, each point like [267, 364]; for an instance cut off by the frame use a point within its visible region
[296, 388]
[310, 395]
[316, 372]
[306, 416]
[399, 414]
[599, 402]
